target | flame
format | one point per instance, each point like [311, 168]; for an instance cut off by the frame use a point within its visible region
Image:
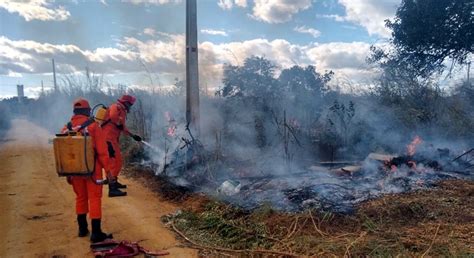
[172, 124]
[411, 148]
[171, 130]
[393, 168]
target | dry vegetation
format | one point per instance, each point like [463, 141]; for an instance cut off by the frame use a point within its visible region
[311, 123]
[435, 222]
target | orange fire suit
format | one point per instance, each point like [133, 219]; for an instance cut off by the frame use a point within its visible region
[115, 125]
[88, 192]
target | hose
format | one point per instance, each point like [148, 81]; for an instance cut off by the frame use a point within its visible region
[96, 106]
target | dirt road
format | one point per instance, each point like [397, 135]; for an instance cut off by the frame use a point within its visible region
[37, 216]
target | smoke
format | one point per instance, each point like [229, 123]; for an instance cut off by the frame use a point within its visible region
[250, 160]
[268, 139]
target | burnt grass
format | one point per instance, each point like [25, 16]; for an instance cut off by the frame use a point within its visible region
[434, 222]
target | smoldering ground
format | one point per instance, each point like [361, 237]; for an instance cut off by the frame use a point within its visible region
[265, 147]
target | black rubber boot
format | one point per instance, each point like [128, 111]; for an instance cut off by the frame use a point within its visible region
[97, 234]
[114, 191]
[120, 186]
[82, 222]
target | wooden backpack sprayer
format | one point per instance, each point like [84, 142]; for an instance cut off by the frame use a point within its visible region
[73, 151]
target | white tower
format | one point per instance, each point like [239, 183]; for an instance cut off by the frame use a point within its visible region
[20, 92]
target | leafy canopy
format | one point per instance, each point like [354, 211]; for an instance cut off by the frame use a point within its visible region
[256, 79]
[425, 33]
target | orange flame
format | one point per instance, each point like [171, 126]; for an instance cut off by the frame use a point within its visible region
[171, 131]
[411, 148]
[172, 124]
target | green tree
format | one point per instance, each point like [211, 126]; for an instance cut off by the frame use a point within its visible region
[301, 82]
[304, 88]
[426, 33]
[254, 86]
[255, 79]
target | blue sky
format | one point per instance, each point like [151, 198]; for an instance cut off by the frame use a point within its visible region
[131, 41]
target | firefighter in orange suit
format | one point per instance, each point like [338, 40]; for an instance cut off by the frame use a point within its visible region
[114, 126]
[88, 189]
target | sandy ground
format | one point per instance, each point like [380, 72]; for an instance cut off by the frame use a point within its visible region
[37, 216]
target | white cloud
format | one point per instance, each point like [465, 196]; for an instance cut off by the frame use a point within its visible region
[370, 14]
[214, 32]
[347, 60]
[36, 9]
[281, 51]
[278, 11]
[166, 57]
[14, 74]
[26, 56]
[311, 31]
[339, 55]
[241, 3]
[161, 53]
[335, 17]
[269, 11]
[149, 32]
[155, 2]
[225, 4]
[229, 4]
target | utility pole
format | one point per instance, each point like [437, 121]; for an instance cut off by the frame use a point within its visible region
[468, 71]
[192, 70]
[54, 77]
[42, 88]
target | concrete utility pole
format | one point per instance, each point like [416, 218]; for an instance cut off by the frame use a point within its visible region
[192, 70]
[54, 77]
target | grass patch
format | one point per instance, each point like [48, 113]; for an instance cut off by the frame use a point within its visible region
[435, 222]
